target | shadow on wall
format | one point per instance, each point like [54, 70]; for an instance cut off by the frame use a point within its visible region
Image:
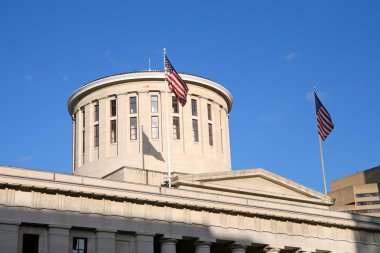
[149, 149]
[372, 176]
[97, 233]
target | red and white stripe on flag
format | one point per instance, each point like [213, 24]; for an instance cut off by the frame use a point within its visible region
[175, 82]
[325, 124]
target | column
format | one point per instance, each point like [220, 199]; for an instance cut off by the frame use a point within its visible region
[202, 247]
[168, 245]
[58, 239]
[8, 238]
[272, 249]
[144, 243]
[105, 241]
[236, 248]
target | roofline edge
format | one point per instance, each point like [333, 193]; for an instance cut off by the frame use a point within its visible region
[153, 75]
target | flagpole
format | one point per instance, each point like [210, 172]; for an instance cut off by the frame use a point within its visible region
[323, 164]
[167, 127]
[142, 147]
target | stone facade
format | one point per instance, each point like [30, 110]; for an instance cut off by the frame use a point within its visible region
[116, 216]
[117, 200]
[141, 149]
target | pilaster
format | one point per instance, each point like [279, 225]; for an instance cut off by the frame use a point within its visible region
[237, 248]
[202, 247]
[145, 243]
[168, 245]
[271, 249]
[105, 241]
[58, 239]
[9, 237]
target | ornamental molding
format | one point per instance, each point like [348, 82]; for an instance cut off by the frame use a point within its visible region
[141, 76]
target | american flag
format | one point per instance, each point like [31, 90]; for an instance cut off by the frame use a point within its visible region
[175, 82]
[325, 124]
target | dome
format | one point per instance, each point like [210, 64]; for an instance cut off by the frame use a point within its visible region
[120, 121]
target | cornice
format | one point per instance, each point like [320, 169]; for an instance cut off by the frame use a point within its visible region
[145, 75]
[205, 180]
[243, 191]
[177, 198]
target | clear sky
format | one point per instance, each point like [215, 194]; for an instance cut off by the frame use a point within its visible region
[268, 54]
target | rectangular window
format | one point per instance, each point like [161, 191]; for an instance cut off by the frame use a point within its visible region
[155, 127]
[363, 203]
[83, 141]
[96, 112]
[79, 245]
[174, 105]
[133, 129]
[195, 130]
[154, 103]
[133, 105]
[29, 243]
[194, 109]
[83, 118]
[96, 136]
[370, 194]
[221, 138]
[83, 133]
[113, 107]
[176, 129]
[209, 114]
[210, 137]
[113, 131]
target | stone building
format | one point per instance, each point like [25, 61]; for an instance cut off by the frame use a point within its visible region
[117, 199]
[358, 193]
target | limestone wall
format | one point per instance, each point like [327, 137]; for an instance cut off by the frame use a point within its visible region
[146, 151]
[51, 199]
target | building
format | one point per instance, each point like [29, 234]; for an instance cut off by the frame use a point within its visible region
[121, 121]
[358, 193]
[117, 199]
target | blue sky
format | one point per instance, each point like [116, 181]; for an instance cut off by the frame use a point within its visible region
[268, 54]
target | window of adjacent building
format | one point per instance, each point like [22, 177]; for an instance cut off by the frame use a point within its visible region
[30, 243]
[210, 137]
[209, 114]
[195, 131]
[79, 245]
[113, 131]
[133, 105]
[133, 128]
[113, 107]
[369, 194]
[364, 203]
[174, 105]
[96, 136]
[154, 103]
[176, 130]
[96, 112]
[194, 107]
[155, 127]
[366, 211]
